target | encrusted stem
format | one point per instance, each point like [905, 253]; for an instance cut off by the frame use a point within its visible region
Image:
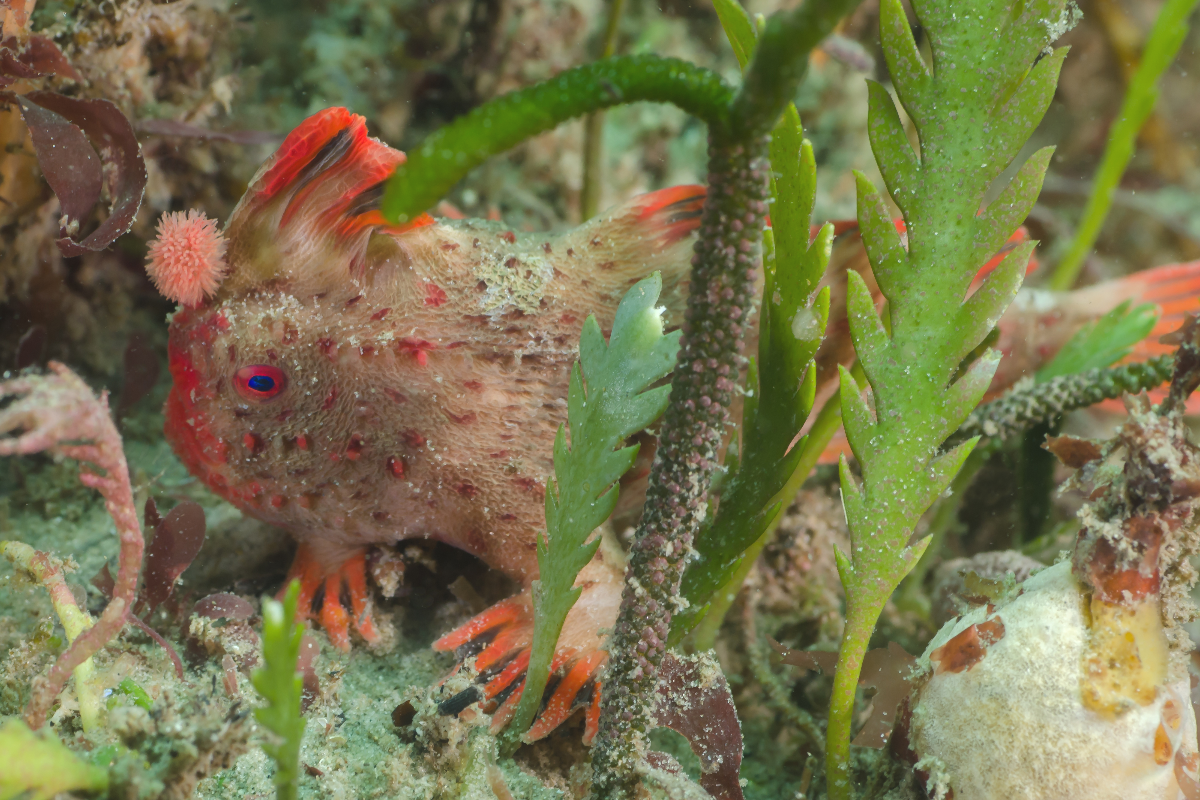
[705, 380]
[1028, 405]
[701, 392]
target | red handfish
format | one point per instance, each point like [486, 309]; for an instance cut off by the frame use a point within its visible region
[359, 384]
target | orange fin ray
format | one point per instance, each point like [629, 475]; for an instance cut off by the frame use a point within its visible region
[500, 639]
[351, 576]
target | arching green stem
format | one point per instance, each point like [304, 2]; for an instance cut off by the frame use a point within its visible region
[451, 152]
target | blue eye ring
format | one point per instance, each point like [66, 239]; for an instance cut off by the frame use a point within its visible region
[259, 383]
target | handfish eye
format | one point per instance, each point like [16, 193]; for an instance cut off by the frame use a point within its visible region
[259, 382]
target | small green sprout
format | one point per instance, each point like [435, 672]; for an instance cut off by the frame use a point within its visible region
[37, 766]
[134, 692]
[608, 401]
[279, 683]
[1102, 342]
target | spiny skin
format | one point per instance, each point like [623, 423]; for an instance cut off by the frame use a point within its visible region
[424, 371]
[705, 381]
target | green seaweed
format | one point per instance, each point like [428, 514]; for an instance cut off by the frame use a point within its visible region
[608, 401]
[449, 153]
[134, 692]
[990, 81]
[780, 385]
[37, 766]
[1102, 342]
[278, 682]
[1167, 36]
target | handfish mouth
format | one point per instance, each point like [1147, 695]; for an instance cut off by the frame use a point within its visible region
[185, 429]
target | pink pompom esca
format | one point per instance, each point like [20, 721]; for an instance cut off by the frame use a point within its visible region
[187, 260]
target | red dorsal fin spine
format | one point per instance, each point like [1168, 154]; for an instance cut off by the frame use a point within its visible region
[305, 140]
[330, 171]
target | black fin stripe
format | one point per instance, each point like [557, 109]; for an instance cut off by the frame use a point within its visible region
[330, 153]
[459, 702]
[475, 646]
[368, 199]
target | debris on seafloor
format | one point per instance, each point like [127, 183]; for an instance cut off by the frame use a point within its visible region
[1074, 684]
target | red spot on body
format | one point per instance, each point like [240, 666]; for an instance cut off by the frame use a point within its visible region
[606, 265]
[302, 442]
[434, 295]
[509, 237]
[571, 252]
[530, 485]
[413, 439]
[380, 314]
[395, 466]
[508, 516]
[394, 396]
[366, 350]
[272, 355]
[254, 488]
[596, 242]
[449, 246]
[466, 489]
[474, 386]
[968, 647]
[277, 500]
[328, 347]
[355, 448]
[417, 347]
[252, 442]
[330, 398]
[290, 335]
[462, 419]
[499, 454]
[353, 301]
[512, 262]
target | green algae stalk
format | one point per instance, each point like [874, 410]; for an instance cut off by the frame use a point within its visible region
[992, 77]
[702, 389]
[449, 153]
[38, 766]
[278, 682]
[1170, 29]
[48, 571]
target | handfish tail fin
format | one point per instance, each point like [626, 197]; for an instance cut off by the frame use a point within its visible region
[617, 248]
[1175, 289]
